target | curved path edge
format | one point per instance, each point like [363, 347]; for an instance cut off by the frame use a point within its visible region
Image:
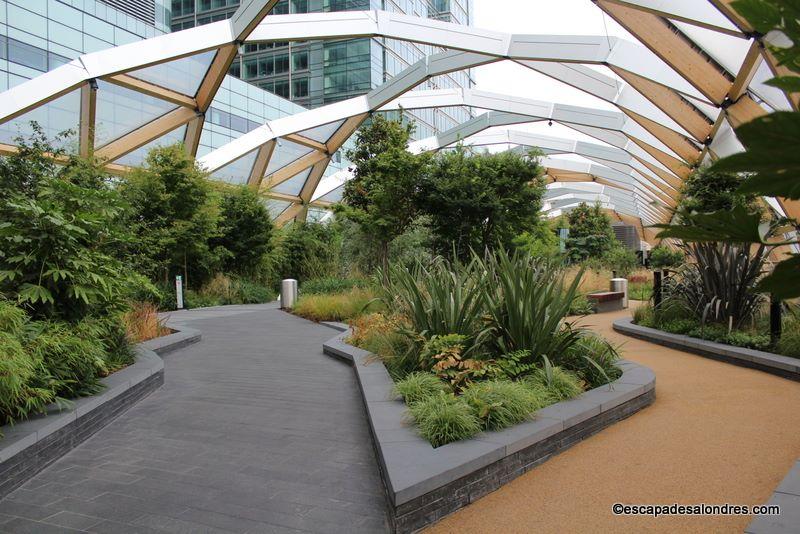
[776, 364]
[424, 484]
[31, 445]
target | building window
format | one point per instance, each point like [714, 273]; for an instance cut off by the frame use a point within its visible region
[300, 88]
[281, 63]
[281, 8]
[27, 55]
[282, 88]
[300, 61]
[250, 68]
[236, 68]
[299, 6]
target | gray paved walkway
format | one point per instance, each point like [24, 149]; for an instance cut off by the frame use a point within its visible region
[254, 430]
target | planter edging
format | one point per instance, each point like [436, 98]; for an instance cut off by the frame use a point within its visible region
[31, 445]
[787, 496]
[775, 364]
[424, 484]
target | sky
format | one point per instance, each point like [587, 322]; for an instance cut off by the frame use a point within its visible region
[554, 17]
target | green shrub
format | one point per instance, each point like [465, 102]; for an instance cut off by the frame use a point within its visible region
[594, 360]
[621, 259]
[581, 306]
[329, 285]
[558, 383]
[444, 418]
[502, 403]
[748, 340]
[661, 257]
[73, 356]
[418, 386]
[679, 326]
[249, 292]
[644, 315]
[379, 335]
[23, 392]
[198, 299]
[789, 344]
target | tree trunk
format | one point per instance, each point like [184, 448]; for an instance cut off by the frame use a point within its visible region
[384, 251]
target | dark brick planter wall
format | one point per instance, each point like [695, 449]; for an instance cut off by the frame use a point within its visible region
[433, 506]
[424, 484]
[32, 445]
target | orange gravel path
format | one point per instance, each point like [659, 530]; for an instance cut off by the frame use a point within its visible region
[716, 433]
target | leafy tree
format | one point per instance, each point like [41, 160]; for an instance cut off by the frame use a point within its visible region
[541, 241]
[478, 201]
[60, 226]
[245, 231]
[381, 196]
[771, 158]
[709, 190]
[662, 256]
[308, 250]
[174, 217]
[590, 233]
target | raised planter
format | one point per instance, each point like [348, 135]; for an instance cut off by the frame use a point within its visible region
[424, 484]
[787, 496]
[31, 445]
[754, 359]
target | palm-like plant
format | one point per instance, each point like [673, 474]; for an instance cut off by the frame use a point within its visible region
[440, 299]
[528, 303]
[719, 285]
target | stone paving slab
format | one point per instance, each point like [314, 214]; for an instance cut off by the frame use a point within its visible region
[254, 430]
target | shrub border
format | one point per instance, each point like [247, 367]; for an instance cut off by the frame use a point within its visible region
[776, 364]
[33, 444]
[424, 484]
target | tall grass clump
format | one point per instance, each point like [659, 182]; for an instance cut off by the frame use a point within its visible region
[444, 418]
[502, 403]
[558, 383]
[419, 386]
[336, 307]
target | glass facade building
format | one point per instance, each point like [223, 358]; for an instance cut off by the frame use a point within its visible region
[315, 73]
[40, 35]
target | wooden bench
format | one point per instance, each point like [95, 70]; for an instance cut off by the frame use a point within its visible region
[606, 301]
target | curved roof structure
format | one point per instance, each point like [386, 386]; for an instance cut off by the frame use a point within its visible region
[697, 72]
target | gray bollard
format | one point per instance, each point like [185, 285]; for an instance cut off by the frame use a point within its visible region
[621, 284]
[288, 293]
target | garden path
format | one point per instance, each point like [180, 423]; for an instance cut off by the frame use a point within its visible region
[716, 433]
[254, 430]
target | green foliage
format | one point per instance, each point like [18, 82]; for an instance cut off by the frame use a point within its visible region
[707, 190]
[590, 233]
[444, 418]
[476, 201]
[58, 227]
[362, 254]
[527, 302]
[593, 360]
[511, 365]
[644, 316]
[661, 257]
[719, 284]
[174, 217]
[789, 344]
[558, 383]
[330, 285]
[581, 306]
[381, 196]
[440, 299]
[418, 386]
[540, 242]
[244, 231]
[502, 403]
[307, 251]
[621, 259]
